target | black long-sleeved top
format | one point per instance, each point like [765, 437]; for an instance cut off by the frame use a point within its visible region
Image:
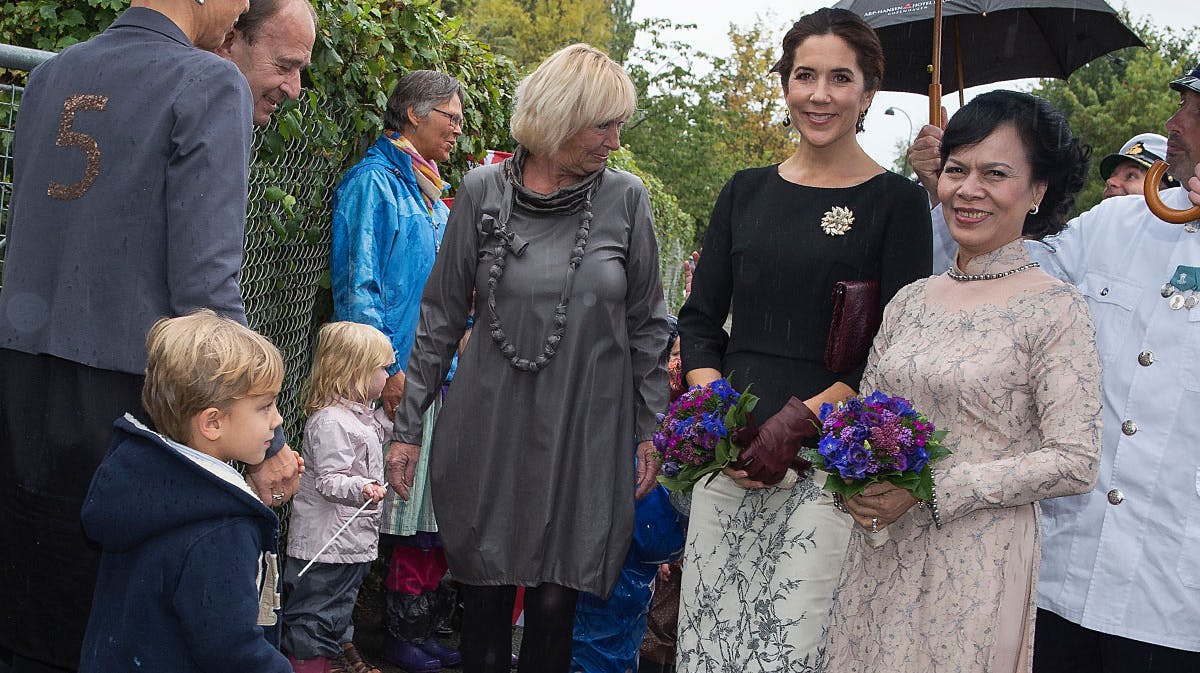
[766, 255]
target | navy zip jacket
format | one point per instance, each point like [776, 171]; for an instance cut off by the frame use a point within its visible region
[188, 576]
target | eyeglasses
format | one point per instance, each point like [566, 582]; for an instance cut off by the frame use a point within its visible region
[455, 120]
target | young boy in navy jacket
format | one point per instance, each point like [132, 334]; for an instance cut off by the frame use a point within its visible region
[188, 576]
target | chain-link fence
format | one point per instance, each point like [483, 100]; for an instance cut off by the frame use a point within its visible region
[287, 253]
[10, 96]
[287, 265]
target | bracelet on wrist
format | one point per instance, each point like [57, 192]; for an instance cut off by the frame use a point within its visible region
[932, 503]
[839, 503]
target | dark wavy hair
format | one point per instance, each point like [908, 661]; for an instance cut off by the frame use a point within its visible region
[1056, 156]
[846, 25]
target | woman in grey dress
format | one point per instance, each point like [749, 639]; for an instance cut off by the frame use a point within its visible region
[531, 464]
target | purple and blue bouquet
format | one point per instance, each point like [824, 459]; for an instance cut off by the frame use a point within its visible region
[877, 439]
[695, 438]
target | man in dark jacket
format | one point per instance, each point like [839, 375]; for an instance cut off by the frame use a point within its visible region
[131, 154]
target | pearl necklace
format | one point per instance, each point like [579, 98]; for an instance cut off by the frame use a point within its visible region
[964, 277]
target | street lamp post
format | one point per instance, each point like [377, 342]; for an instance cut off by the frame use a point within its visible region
[891, 112]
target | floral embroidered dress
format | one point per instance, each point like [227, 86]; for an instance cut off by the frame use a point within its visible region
[1009, 368]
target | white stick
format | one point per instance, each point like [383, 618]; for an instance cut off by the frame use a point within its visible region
[335, 536]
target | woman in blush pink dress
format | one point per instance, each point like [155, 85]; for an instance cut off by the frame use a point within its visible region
[1002, 356]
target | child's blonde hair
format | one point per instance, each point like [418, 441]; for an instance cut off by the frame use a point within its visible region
[348, 353]
[204, 360]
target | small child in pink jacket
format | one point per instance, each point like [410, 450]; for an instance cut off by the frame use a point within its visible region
[343, 446]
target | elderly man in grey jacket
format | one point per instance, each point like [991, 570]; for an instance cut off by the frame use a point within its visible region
[129, 201]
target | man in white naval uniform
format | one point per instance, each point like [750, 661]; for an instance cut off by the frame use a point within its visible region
[1119, 588]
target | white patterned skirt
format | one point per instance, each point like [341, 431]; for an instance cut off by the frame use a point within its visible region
[759, 572]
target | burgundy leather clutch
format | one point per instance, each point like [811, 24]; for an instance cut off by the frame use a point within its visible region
[855, 321]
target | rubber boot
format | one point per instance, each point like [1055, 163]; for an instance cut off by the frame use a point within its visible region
[441, 604]
[447, 655]
[411, 619]
[409, 657]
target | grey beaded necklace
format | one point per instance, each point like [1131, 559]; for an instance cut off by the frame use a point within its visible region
[964, 277]
[508, 240]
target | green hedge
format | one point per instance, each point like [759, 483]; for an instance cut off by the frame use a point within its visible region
[362, 48]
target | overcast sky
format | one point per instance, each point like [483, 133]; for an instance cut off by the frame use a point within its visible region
[713, 19]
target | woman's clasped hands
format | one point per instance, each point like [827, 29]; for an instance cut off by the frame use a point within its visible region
[879, 506]
[773, 448]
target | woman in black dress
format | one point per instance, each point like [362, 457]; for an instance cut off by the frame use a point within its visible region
[763, 557]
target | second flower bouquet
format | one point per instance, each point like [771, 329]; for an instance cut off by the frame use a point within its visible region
[877, 439]
[695, 436]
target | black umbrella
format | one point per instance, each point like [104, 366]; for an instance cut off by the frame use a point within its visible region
[990, 40]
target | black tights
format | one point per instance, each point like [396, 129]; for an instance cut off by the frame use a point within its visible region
[487, 628]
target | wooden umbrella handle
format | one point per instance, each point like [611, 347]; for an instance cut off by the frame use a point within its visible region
[1161, 210]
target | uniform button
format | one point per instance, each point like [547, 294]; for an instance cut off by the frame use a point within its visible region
[1145, 358]
[1116, 497]
[1104, 292]
[1129, 427]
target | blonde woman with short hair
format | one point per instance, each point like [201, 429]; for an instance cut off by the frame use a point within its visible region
[532, 462]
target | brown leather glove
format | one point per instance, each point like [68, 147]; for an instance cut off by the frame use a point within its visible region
[744, 435]
[774, 448]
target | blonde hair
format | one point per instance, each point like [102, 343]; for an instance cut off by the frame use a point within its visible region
[576, 87]
[204, 360]
[348, 353]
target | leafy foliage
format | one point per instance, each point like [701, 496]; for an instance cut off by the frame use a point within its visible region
[1112, 99]
[751, 94]
[694, 131]
[528, 31]
[52, 25]
[624, 30]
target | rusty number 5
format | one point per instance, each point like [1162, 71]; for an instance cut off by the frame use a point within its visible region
[69, 137]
